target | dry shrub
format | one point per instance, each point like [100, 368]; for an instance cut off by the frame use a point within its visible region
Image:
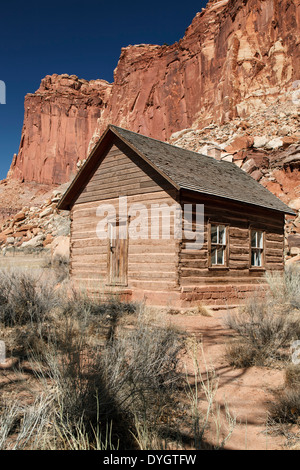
[142, 368]
[266, 325]
[286, 408]
[103, 382]
[36, 314]
[240, 356]
[284, 289]
[100, 390]
[61, 268]
[292, 376]
[130, 381]
[25, 298]
[263, 334]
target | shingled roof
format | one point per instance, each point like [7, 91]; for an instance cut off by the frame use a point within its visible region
[187, 170]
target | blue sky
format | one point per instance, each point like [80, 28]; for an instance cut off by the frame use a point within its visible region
[75, 37]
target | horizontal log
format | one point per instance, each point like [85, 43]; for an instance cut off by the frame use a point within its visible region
[124, 191]
[77, 268]
[160, 196]
[114, 182]
[274, 245]
[139, 275]
[90, 253]
[151, 266]
[154, 285]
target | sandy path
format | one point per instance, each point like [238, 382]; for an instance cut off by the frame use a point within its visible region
[247, 392]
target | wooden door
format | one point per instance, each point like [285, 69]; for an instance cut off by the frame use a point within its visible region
[118, 253]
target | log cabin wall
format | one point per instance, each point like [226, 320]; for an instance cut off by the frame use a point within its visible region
[164, 271]
[223, 271]
[218, 285]
[152, 264]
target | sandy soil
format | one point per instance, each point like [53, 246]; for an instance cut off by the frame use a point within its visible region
[34, 262]
[247, 392]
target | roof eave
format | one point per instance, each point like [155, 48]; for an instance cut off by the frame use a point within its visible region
[288, 211]
[69, 197]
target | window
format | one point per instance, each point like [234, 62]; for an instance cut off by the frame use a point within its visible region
[218, 242]
[257, 248]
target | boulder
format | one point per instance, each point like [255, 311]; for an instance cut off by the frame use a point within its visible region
[295, 204]
[48, 240]
[240, 143]
[260, 141]
[294, 241]
[257, 175]
[60, 247]
[35, 242]
[249, 166]
[294, 260]
[20, 216]
[274, 144]
[46, 212]
[295, 251]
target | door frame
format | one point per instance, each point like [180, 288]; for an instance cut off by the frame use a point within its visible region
[123, 279]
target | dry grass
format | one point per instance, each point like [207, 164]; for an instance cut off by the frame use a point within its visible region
[266, 328]
[101, 374]
[268, 324]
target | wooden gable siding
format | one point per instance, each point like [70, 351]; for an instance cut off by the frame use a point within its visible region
[194, 264]
[122, 173]
[152, 264]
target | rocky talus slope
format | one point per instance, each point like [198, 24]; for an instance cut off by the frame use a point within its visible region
[267, 146]
[38, 227]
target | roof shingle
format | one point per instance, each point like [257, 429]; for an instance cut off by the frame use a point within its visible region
[196, 172]
[185, 170]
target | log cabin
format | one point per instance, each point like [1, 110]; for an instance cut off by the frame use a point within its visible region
[151, 221]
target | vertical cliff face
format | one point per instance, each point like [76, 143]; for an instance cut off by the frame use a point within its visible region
[59, 120]
[237, 57]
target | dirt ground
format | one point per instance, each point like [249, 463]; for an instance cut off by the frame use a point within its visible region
[247, 392]
[32, 262]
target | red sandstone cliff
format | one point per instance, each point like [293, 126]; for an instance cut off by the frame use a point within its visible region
[238, 56]
[59, 120]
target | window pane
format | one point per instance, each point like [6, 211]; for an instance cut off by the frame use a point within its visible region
[214, 256]
[259, 239]
[220, 256]
[222, 235]
[253, 239]
[253, 258]
[256, 257]
[214, 234]
[259, 258]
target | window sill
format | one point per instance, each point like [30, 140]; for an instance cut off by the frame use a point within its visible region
[257, 268]
[218, 268]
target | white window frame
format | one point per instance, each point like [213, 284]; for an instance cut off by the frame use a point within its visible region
[257, 250]
[220, 244]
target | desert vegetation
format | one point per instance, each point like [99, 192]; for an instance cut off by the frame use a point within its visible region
[266, 328]
[97, 374]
